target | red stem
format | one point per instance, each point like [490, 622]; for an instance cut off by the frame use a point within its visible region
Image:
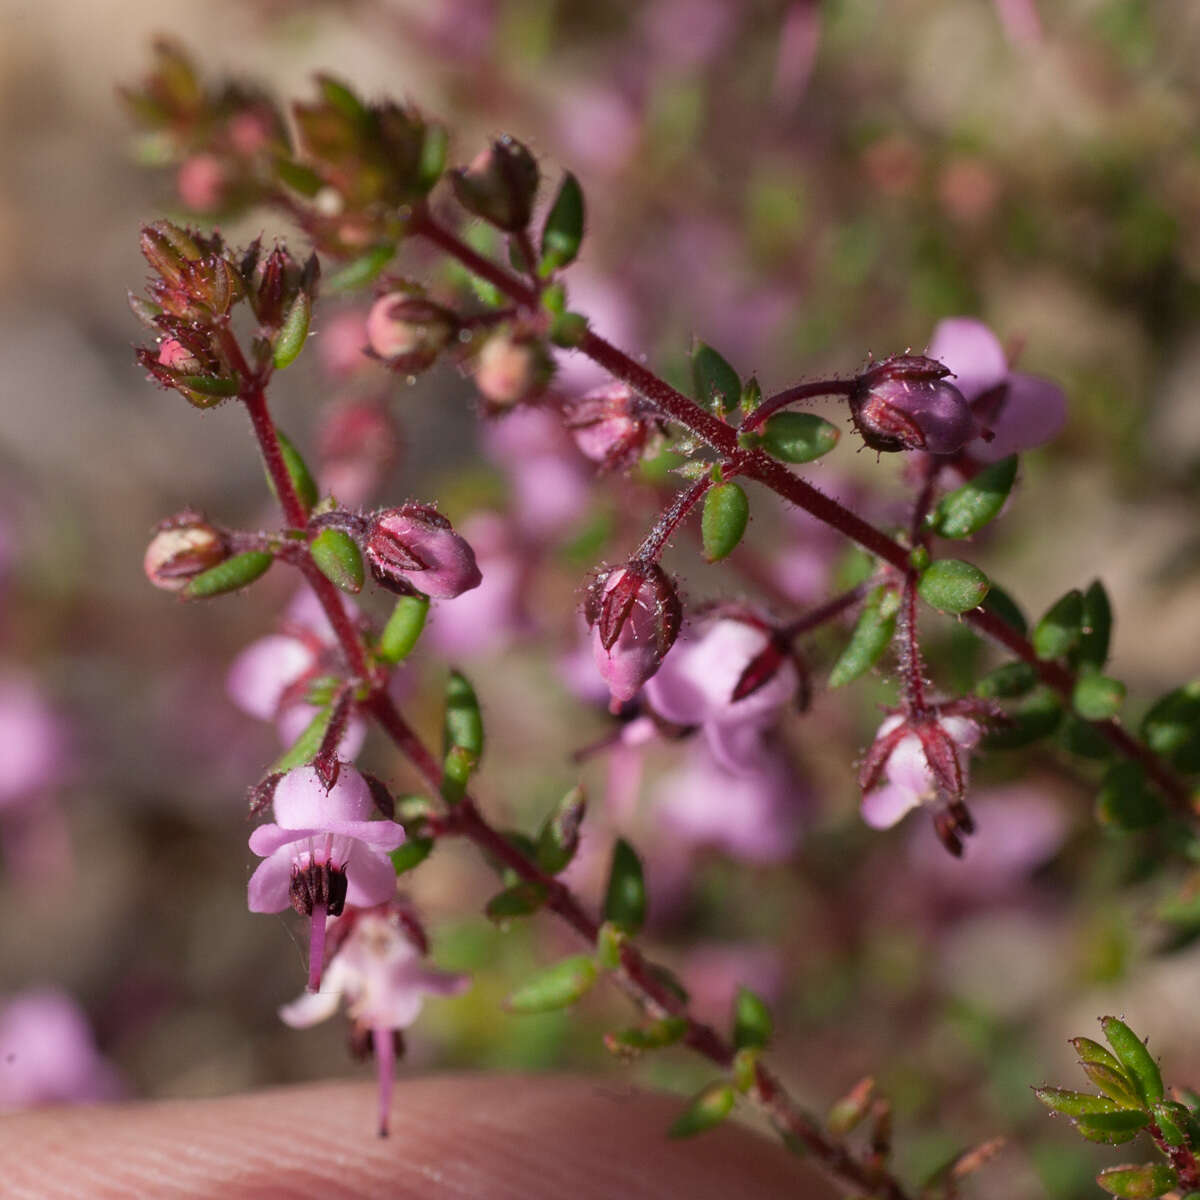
[802, 391]
[666, 524]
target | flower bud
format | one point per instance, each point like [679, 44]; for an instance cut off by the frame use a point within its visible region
[415, 547]
[408, 332]
[183, 547]
[905, 403]
[611, 425]
[499, 185]
[635, 615]
[513, 367]
[202, 183]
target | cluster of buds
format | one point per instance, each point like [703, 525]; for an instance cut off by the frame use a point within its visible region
[408, 332]
[279, 288]
[612, 425]
[414, 548]
[906, 403]
[500, 184]
[923, 761]
[635, 614]
[183, 547]
[512, 367]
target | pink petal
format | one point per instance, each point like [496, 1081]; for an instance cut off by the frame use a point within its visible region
[1034, 412]
[264, 670]
[972, 351]
[269, 887]
[886, 805]
[370, 876]
[310, 1007]
[302, 801]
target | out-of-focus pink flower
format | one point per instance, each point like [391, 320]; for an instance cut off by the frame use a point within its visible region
[612, 424]
[713, 972]
[48, 1054]
[686, 34]
[269, 678]
[322, 846]
[32, 741]
[1021, 22]
[359, 444]
[798, 42]
[612, 315]
[1021, 411]
[599, 127]
[635, 615]
[342, 343]
[488, 617]
[201, 182]
[911, 778]
[415, 546]
[754, 813]
[378, 971]
[696, 682]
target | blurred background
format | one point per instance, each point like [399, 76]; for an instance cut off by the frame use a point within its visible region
[799, 184]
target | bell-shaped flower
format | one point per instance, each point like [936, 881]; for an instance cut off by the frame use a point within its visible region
[414, 547]
[698, 680]
[378, 971]
[1021, 411]
[906, 403]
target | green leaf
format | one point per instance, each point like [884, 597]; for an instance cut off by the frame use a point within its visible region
[563, 231]
[625, 898]
[872, 635]
[969, 508]
[1172, 726]
[558, 838]
[456, 773]
[709, 1107]
[1096, 628]
[411, 853]
[1078, 737]
[609, 940]
[229, 576]
[1097, 697]
[434, 145]
[218, 386]
[298, 177]
[1113, 1083]
[797, 437]
[338, 558]
[1036, 717]
[302, 480]
[360, 271]
[521, 900]
[1091, 1051]
[718, 387]
[289, 341]
[303, 749]
[403, 628]
[463, 727]
[1137, 1183]
[953, 586]
[1076, 1104]
[1138, 1062]
[1060, 630]
[1112, 1129]
[568, 330]
[555, 987]
[745, 1068]
[628, 1043]
[1172, 1121]
[1007, 681]
[1002, 605]
[342, 98]
[1126, 802]
[752, 1023]
[723, 521]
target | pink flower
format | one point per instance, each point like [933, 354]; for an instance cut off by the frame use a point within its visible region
[268, 679]
[906, 403]
[378, 971]
[415, 547]
[322, 847]
[201, 182]
[916, 767]
[696, 682]
[1021, 411]
[31, 741]
[48, 1054]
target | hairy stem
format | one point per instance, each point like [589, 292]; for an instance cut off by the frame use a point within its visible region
[793, 395]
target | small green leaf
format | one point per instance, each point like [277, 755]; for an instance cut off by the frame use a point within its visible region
[289, 341]
[872, 635]
[557, 986]
[1076, 1104]
[1036, 717]
[434, 145]
[563, 232]
[1172, 726]
[798, 437]
[1091, 1051]
[339, 96]
[723, 521]
[1007, 681]
[709, 1107]
[752, 1023]
[745, 1068]
[1096, 628]
[1126, 802]
[298, 177]
[1144, 1182]
[338, 558]
[558, 838]
[360, 271]
[568, 330]
[628, 1043]
[297, 469]
[1172, 1121]
[456, 773]
[403, 628]
[229, 576]
[625, 898]
[967, 509]
[1112, 1129]
[1097, 697]
[521, 900]
[1138, 1062]
[718, 387]
[609, 941]
[411, 853]
[1078, 737]
[953, 586]
[1113, 1083]
[306, 745]
[216, 386]
[463, 727]
[1059, 631]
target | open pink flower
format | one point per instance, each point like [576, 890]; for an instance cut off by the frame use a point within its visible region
[321, 851]
[696, 682]
[1021, 411]
[378, 971]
